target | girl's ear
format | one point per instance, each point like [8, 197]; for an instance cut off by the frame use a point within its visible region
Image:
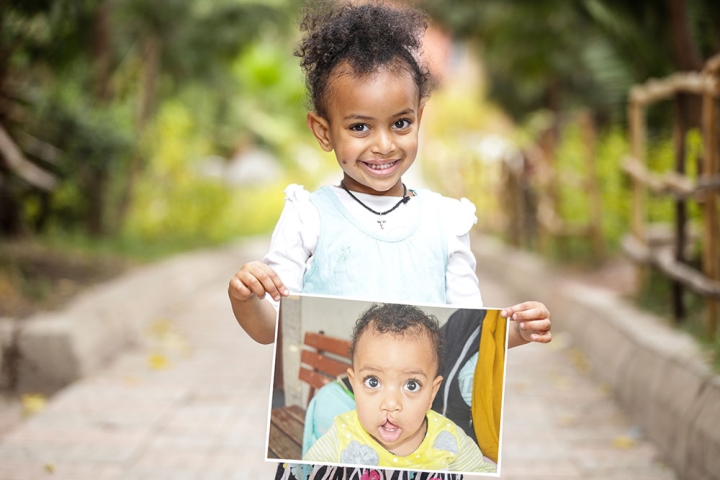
[351, 374]
[420, 112]
[321, 129]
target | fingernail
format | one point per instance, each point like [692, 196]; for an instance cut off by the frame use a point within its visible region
[277, 298]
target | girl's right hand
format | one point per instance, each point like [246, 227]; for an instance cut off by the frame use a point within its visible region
[256, 278]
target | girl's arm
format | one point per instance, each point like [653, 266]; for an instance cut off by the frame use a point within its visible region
[293, 242]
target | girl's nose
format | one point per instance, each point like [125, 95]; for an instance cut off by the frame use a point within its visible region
[383, 143]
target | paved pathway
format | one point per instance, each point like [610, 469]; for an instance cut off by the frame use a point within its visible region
[191, 403]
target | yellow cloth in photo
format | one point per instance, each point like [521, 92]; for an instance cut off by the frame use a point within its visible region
[488, 384]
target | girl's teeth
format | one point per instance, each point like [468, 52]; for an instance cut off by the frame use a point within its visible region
[382, 166]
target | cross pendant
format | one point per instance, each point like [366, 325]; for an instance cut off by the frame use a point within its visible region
[382, 224]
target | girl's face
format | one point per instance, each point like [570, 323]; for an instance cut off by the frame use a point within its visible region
[394, 381]
[372, 126]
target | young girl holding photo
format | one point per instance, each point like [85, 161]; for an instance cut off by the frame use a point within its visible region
[369, 236]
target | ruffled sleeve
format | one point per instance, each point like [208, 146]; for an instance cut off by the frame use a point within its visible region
[462, 281]
[295, 238]
[462, 217]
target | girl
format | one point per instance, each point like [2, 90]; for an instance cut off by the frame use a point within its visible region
[369, 236]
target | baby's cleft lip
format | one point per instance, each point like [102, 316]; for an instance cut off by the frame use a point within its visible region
[389, 432]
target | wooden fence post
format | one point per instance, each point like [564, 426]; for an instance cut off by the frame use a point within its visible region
[712, 233]
[679, 133]
[589, 136]
[637, 145]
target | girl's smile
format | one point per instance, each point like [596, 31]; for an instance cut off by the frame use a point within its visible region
[372, 125]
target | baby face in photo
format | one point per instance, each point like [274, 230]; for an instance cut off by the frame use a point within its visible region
[395, 379]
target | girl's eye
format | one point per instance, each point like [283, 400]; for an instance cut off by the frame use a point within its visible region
[359, 127]
[412, 385]
[402, 124]
[372, 382]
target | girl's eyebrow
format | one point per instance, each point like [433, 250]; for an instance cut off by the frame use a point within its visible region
[357, 116]
[407, 111]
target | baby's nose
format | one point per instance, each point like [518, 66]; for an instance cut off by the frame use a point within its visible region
[391, 402]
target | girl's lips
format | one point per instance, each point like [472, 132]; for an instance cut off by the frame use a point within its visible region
[385, 168]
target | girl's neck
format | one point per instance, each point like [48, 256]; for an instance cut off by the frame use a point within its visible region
[356, 187]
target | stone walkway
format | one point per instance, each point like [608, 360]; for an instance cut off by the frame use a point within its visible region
[191, 402]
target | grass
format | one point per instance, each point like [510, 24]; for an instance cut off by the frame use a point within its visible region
[44, 273]
[35, 275]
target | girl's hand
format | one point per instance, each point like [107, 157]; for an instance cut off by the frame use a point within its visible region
[256, 279]
[532, 320]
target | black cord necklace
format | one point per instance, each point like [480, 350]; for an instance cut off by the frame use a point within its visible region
[381, 222]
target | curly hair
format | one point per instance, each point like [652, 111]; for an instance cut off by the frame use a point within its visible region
[400, 320]
[364, 36]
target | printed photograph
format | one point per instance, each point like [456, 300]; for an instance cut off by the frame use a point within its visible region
[363, 384]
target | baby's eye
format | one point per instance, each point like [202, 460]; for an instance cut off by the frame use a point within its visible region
[358, 127]
[412, 385]
[402, 124]
[372, 382]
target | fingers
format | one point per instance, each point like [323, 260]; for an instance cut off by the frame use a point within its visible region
[533, 320]
[509, 312]
[256, 278]
[541, 337]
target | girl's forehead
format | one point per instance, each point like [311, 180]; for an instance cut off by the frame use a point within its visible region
[343, 76]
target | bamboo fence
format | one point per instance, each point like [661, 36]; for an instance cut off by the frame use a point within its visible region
[681, 187]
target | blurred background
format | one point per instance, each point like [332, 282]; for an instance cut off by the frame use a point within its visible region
[131, 130]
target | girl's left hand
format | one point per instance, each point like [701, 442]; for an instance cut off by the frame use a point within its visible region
[532, 319]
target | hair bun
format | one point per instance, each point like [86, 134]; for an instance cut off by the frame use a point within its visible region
[367, 36]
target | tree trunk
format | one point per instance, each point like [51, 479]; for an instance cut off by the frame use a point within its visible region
[151, 52]
[102, 53]
[686, 56]
[10, 218]
[685, 50]
[95, 181]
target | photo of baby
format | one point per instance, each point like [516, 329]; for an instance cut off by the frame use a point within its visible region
[393, 379]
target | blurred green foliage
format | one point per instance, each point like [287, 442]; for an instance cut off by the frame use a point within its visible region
[130, 98]
[563, 55]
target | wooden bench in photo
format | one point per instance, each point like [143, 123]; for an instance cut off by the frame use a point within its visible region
[323, 359]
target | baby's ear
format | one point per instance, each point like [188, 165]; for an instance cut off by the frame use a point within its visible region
[320, 127]
[435, 387]
[351, 374]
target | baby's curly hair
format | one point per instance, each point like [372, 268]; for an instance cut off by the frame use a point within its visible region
[403, 321]
[364, 36]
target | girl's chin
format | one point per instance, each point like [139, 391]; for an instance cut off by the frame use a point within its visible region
[376, 187]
